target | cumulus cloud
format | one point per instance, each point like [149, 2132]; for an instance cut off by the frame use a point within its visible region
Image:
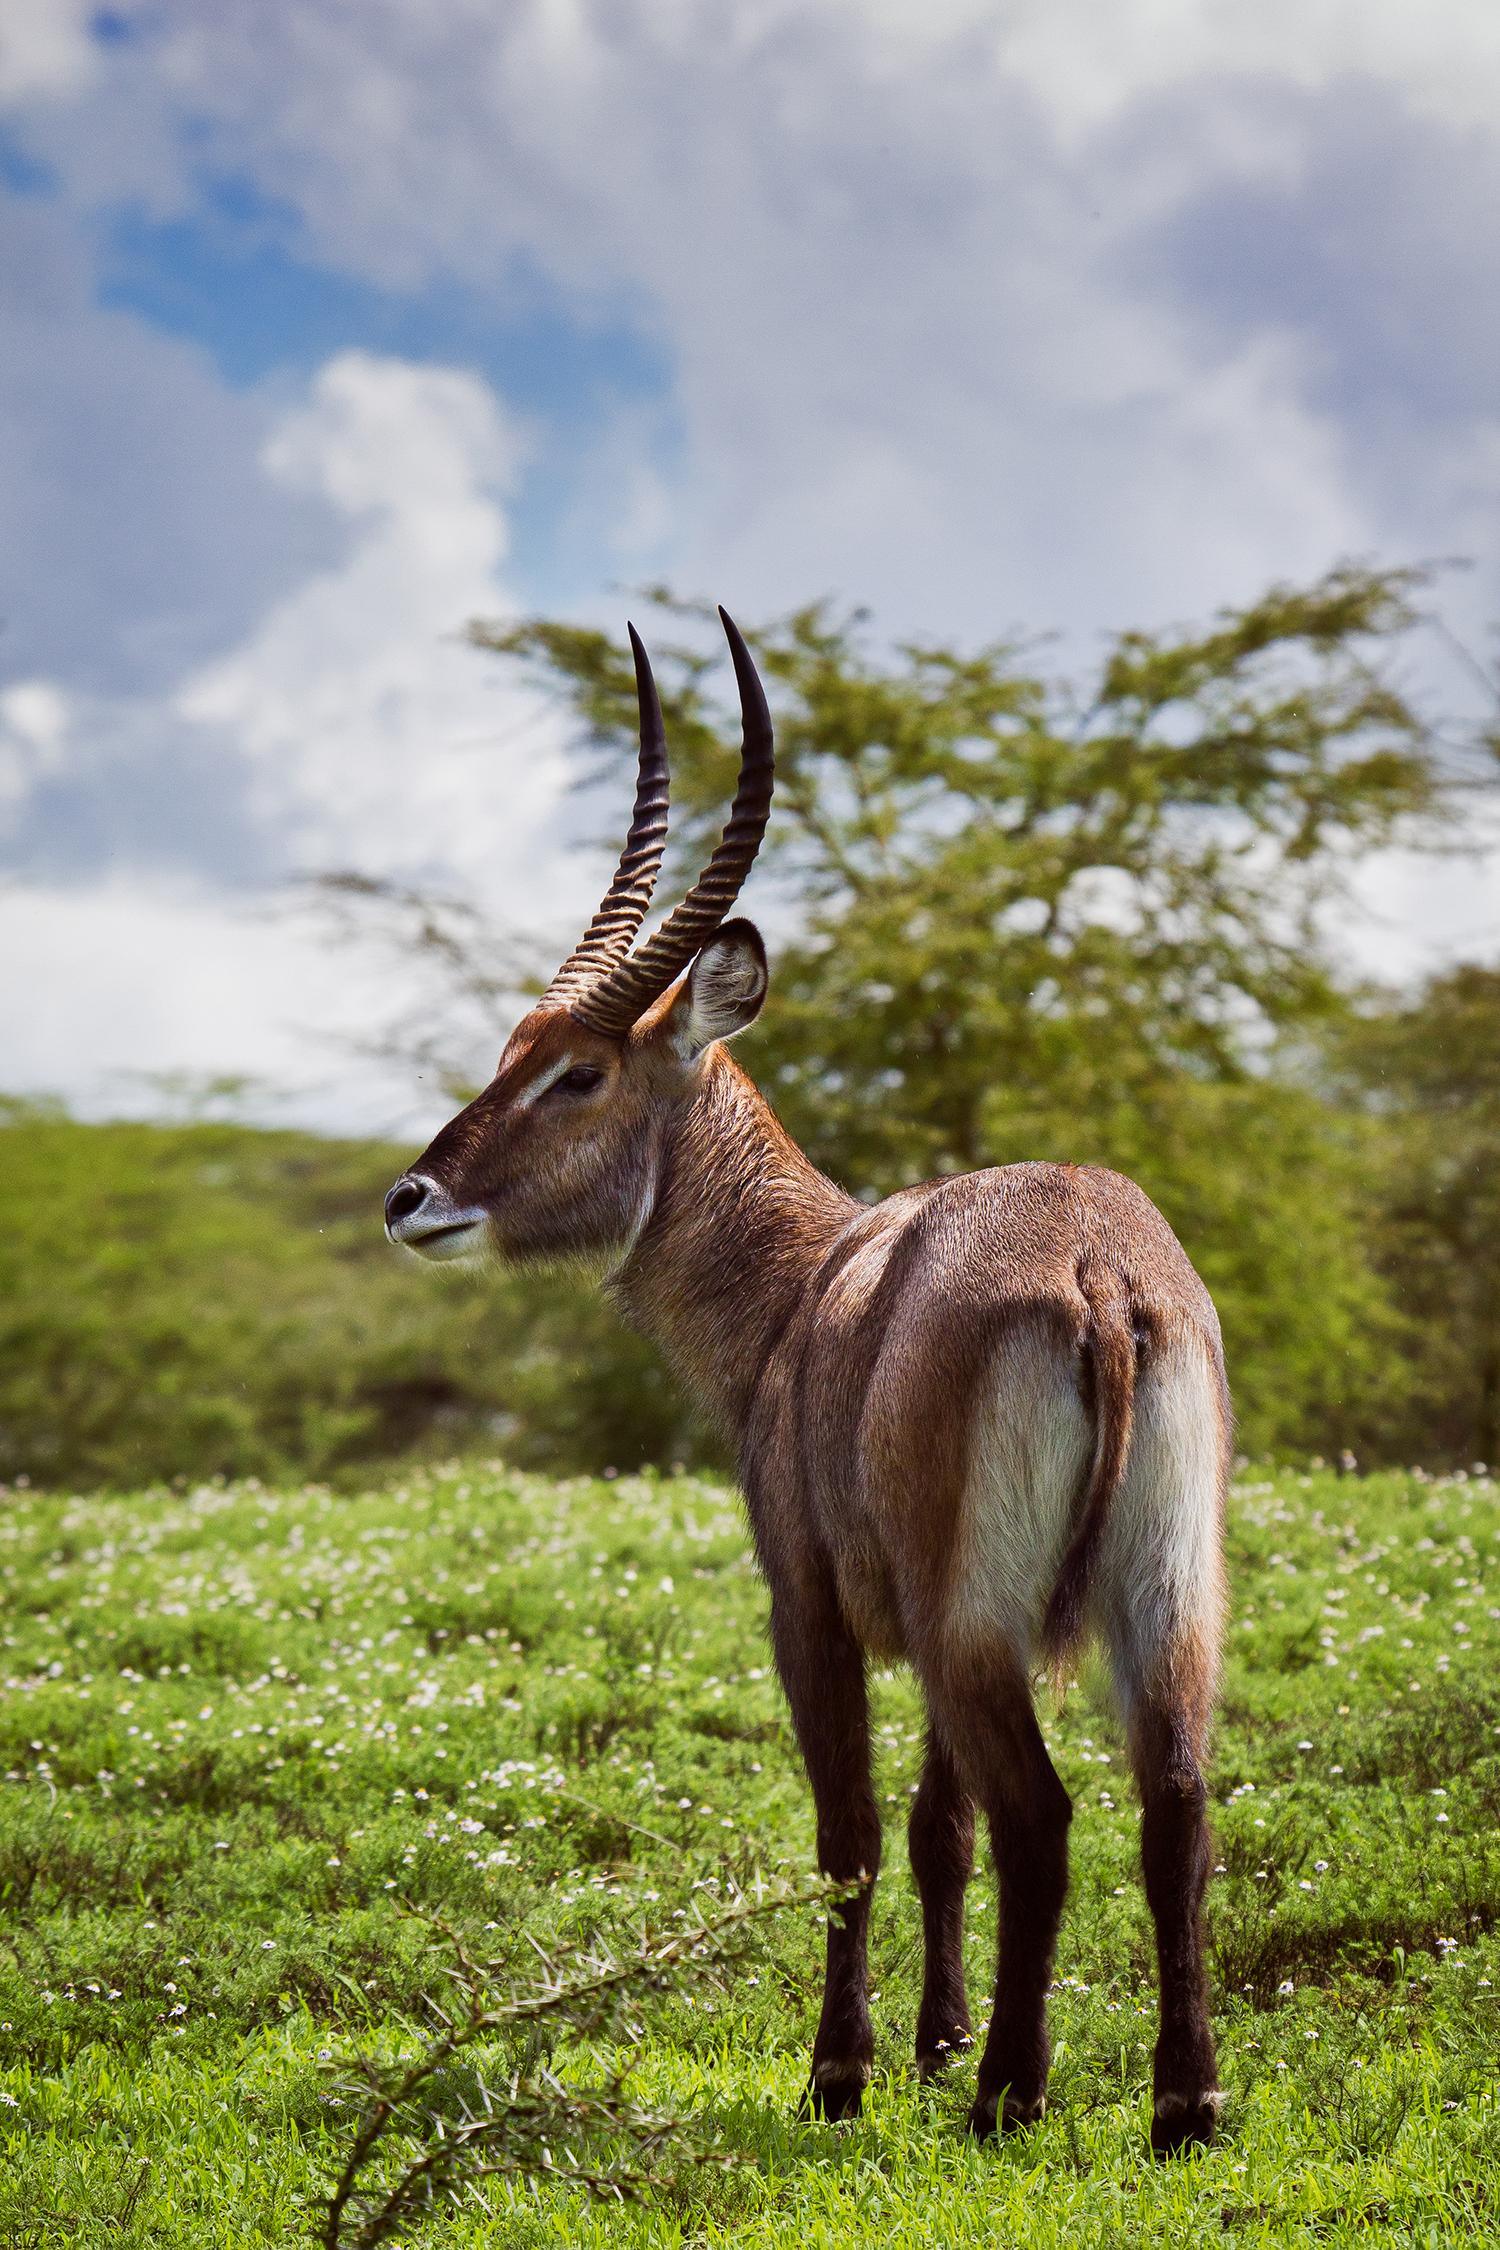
[46, 50]
[375, 735]
[353, 715]
[127, 981]
[33, 732]
[901, 261]
[370, 733]
[1088, 63]
[1044, 314]
[940, 331]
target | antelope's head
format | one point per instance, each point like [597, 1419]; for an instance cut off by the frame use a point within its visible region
[560, 1154]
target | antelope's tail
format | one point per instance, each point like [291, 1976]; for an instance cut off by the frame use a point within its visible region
[1110, 1346]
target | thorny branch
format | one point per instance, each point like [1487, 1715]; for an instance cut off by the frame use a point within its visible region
[523, 2127]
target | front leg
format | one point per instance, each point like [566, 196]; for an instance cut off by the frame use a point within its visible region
[823, 1672]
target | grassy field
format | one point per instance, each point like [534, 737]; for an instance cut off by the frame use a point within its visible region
[242, 1724]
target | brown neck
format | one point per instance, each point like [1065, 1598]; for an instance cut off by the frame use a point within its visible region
[740, 1220]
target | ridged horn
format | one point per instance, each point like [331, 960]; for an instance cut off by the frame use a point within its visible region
[623, 906]
[623, 993]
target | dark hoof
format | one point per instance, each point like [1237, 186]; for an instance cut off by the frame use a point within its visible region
[832, 2095]
[988, 2116]
[933, 2061]
[1183, 2121]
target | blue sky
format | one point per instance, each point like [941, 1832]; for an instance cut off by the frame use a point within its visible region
[330, 326]
[236, 277]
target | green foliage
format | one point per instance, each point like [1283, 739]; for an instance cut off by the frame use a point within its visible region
[186, 1300]
[1429, 1073]
[1009, 884]
[245, 1723]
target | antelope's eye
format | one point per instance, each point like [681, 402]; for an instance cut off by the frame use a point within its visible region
[581, 1079]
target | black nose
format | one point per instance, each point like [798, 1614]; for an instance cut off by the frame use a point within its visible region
[406, 1196]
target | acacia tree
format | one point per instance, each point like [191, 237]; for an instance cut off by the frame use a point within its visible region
[1010, 888]
[1090, 920]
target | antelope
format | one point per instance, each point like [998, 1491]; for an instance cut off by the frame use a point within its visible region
[974, 1422]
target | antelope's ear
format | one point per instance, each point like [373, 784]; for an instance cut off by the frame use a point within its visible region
[724, 990]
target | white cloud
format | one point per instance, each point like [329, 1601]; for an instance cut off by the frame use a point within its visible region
[127, 979]
[888, 250]
[1087, 63]
[375, 736]
[46, 50]
[1418, 915]
[33, 728]
[897, 259]
[891, 253]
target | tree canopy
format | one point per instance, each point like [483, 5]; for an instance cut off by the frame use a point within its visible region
[1092, 919]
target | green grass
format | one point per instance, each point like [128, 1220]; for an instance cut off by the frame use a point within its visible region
[241, 1723]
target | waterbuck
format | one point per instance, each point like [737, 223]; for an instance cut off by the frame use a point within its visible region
[973, 1422]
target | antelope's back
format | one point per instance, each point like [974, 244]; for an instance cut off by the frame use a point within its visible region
[933, 1400]
[931, 1279]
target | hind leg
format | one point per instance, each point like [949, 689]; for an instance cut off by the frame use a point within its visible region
[1166, 1737]
[1003, 1760]
[940, 1840]
[1161, 1589]
[1165, 1675]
